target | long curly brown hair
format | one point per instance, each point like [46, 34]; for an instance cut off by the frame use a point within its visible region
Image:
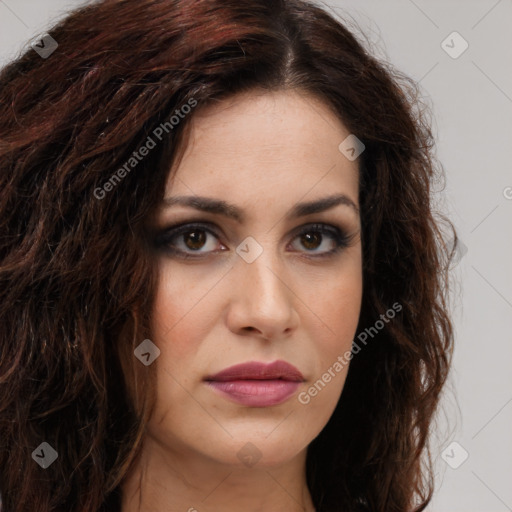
[77, 278]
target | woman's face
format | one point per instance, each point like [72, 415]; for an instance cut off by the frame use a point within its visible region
[269, 285]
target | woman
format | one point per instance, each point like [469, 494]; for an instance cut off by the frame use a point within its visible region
[223, 285]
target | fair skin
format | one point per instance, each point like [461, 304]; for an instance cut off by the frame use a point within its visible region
[264, 153]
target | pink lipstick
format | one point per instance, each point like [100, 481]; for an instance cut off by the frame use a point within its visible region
[257, 384]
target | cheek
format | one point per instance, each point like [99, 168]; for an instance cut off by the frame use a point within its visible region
[339, 309]
[337, 304]
[180, 300]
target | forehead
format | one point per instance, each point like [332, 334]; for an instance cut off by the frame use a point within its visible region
[266, 144]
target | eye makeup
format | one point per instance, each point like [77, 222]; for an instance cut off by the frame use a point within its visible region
[168, 239]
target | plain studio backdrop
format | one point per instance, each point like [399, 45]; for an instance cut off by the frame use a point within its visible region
[461, 53]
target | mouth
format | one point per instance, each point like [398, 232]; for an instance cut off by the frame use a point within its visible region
[257, 384]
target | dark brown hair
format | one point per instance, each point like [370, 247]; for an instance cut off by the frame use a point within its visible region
[77, 278]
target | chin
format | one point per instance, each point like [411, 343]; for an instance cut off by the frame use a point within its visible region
[257, 451]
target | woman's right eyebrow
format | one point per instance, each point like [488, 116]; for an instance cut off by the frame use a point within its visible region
[207, 204]
[221, 207]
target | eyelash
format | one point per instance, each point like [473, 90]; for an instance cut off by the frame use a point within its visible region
[340, 237]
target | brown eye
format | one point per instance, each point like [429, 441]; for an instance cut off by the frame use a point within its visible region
[314, 236]
[311, 241]
[194, 239]
[188, 240]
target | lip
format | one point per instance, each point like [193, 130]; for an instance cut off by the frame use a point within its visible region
[257, 384]
[254, 370]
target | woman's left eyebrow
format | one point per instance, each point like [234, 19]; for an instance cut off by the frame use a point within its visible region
[221, 207]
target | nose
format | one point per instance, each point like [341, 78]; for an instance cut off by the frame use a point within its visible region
[262, 300]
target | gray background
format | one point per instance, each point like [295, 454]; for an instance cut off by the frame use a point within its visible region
[471, 98]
